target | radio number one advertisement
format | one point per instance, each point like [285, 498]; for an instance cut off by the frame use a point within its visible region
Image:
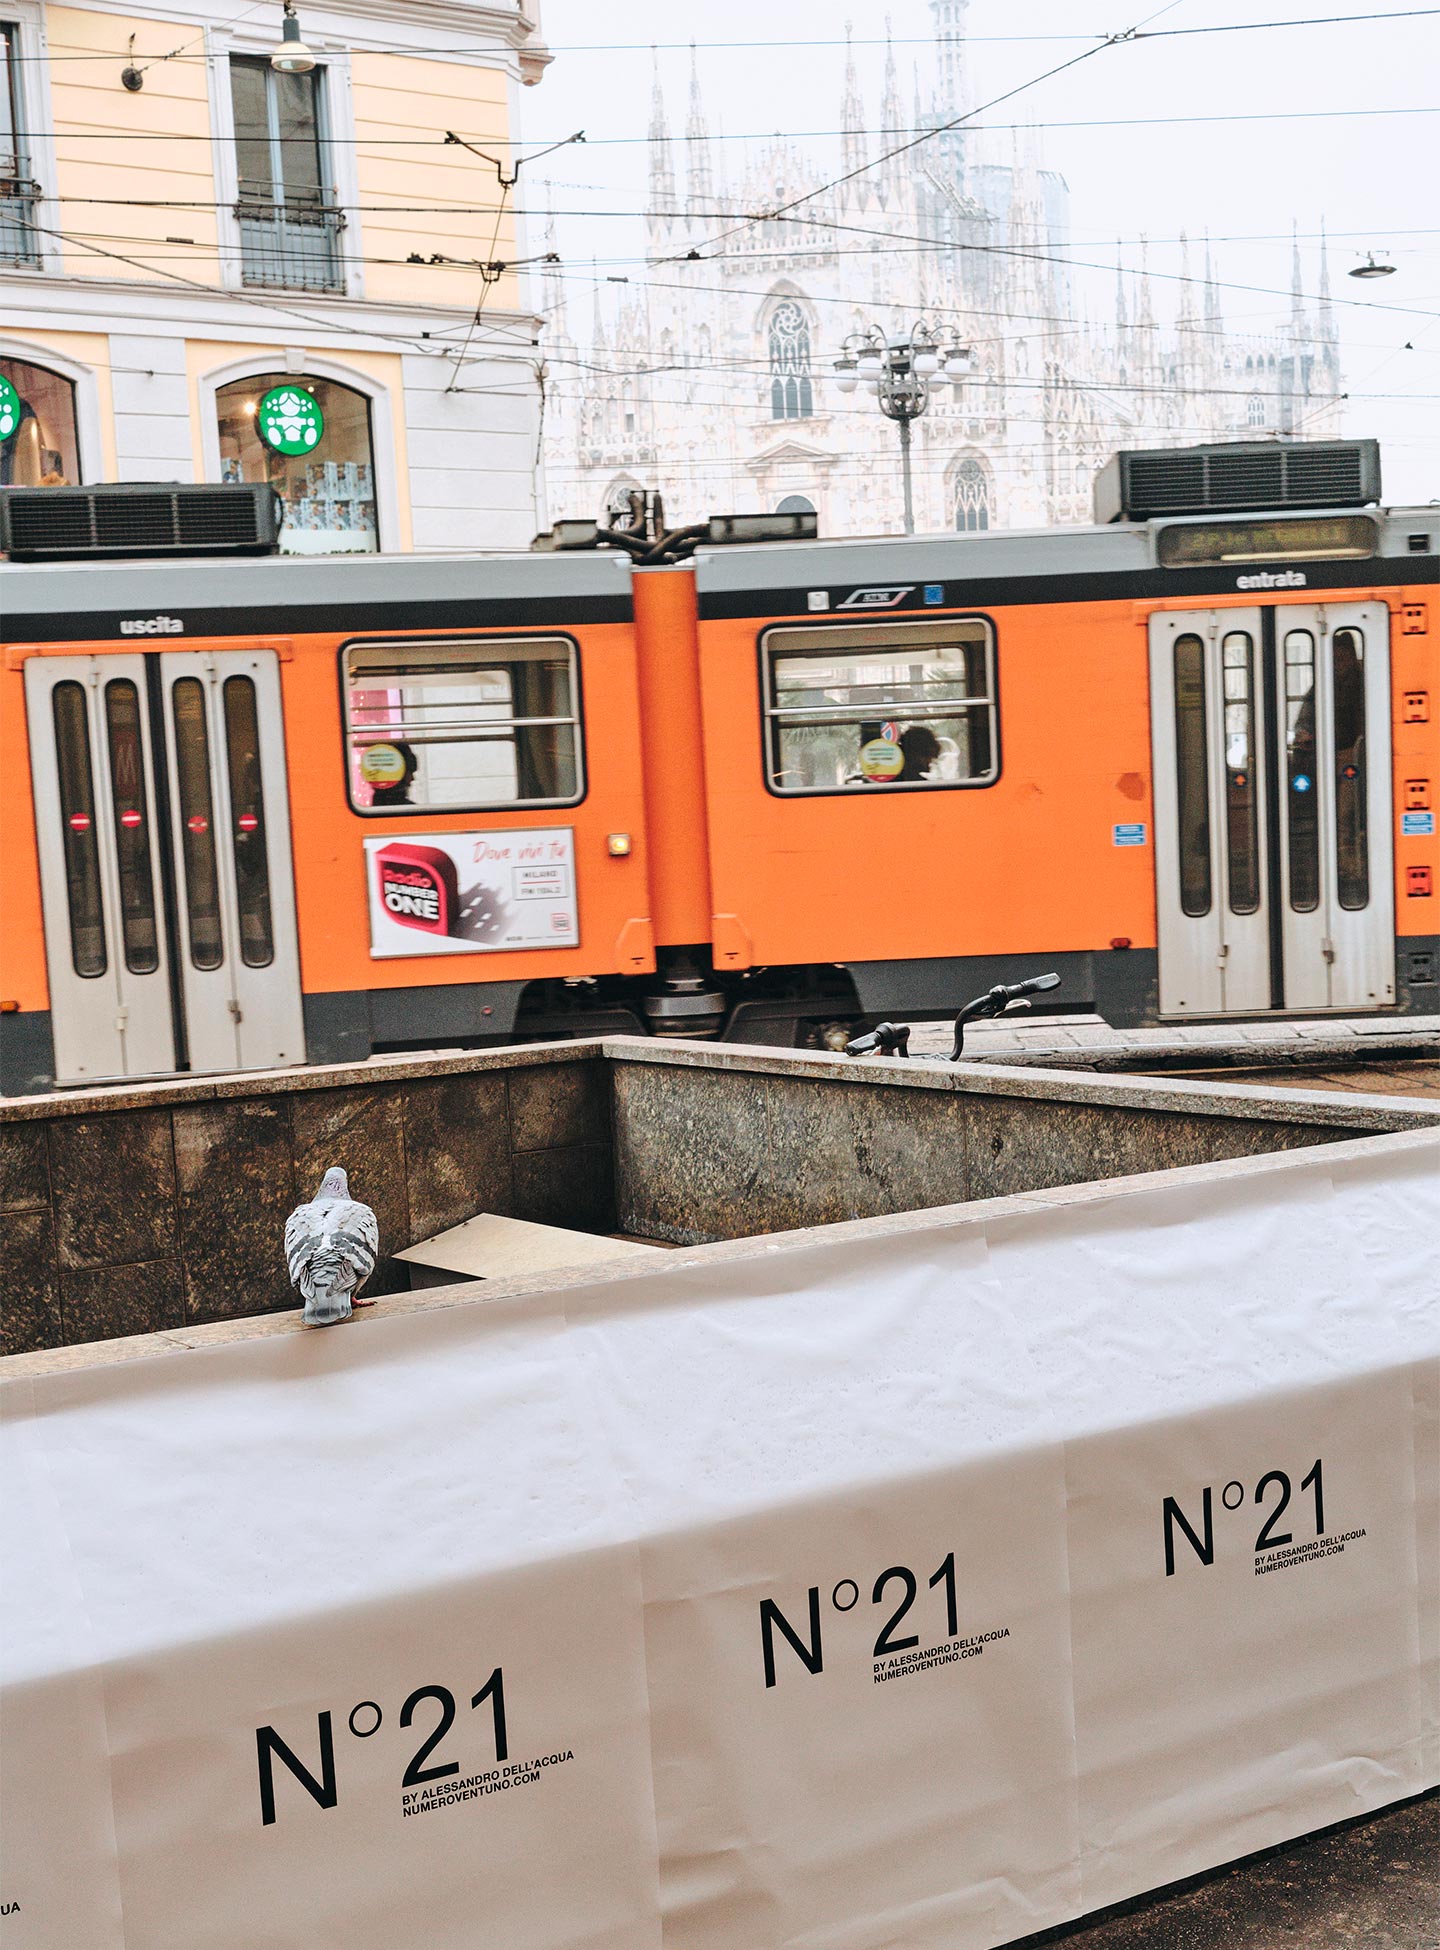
[469, 893]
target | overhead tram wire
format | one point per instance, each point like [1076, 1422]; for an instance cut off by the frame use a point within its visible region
[387, 143]
[428, 348]
[1097, 38]
[1126, 36]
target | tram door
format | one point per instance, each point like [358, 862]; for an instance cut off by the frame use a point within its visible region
[1270, 733]
[164, 838]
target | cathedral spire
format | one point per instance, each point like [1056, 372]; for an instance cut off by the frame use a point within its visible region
[891, 117]
[662, 163]
[1190, 345]
[1214, 323]
[890, 110]
[552, 284]
[700, 181]
[1297, 287]
[1328, 333]
[852, 114]
[948, 21]
[1147, 343]
[1122, 318]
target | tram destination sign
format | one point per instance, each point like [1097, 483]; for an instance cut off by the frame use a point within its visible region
[472, 893]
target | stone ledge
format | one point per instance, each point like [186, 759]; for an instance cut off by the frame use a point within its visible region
[651, 1284]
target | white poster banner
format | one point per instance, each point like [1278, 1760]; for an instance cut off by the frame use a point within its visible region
[922, 1588]
[472, 893]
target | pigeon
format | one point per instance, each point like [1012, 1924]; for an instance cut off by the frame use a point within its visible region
[331, 1245]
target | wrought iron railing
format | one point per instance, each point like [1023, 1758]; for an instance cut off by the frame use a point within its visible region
[19, 239]
[293, 245]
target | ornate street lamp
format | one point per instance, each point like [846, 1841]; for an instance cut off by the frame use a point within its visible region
[898, 370]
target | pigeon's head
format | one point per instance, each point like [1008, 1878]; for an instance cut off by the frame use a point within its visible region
[334, 1184]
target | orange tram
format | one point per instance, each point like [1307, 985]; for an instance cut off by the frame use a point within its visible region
[259, 812]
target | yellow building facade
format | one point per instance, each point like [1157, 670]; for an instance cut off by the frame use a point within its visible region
[194, 244]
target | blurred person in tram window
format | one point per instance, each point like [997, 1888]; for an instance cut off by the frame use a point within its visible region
[921, 748]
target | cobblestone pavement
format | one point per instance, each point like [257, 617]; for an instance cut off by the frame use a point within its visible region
[1371, 1885]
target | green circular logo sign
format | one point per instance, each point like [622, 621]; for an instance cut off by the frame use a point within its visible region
[290, 420]
[9, 408]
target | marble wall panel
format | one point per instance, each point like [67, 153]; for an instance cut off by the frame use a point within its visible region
[1027, 1144]
[457, 1151]
[237, 1188]
[859, 1151]
[24, 1167]
[564, 1105]
[29, 1283]
[113, 1178]
[573, 1187]
[690, 1152]
[100, 1303]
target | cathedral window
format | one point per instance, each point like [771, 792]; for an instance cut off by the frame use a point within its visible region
[791, 391]
[971, 488]
[1255, 411]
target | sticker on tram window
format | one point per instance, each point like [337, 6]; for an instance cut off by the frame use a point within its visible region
[472, 893]
[881, 758]
[382, 765]
[1128, 835]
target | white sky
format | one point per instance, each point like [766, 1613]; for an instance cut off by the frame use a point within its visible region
[1372, 178]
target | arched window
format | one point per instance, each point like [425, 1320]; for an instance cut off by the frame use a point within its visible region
[39, 446]
[795, 504]
[1255, 411]
[971, 488]
[617, 498]
[310, 438]
[791, 392]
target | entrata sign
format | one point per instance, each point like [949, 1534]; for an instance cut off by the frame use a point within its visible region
[290, 420]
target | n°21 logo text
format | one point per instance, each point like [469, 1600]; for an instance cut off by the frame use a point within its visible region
[365, 1718]
[1273, 1495]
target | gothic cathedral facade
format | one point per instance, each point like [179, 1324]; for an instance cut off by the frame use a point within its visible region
[710, 375]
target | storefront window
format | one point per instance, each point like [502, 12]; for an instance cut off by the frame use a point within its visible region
[38, 446]
[310, 438]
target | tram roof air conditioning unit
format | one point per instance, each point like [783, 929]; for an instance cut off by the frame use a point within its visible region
[138, 518]
[1250, 477]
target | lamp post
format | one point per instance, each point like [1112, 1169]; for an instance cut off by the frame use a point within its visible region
[898, 369]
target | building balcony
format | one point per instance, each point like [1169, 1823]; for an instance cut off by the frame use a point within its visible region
[19, 239]
[291, 246]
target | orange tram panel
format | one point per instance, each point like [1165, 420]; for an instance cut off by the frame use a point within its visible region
[260, 812]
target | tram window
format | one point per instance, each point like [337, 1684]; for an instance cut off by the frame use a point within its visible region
[77, 822]
[884, 707]
[1352, 849]
[1191, 771]
[1242, 823]
[462, 727]
[197, 823]
[247, 823]
[138, 928]
[1302, 817]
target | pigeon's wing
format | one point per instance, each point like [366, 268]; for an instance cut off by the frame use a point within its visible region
[302, 1230]
[354, 1228]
